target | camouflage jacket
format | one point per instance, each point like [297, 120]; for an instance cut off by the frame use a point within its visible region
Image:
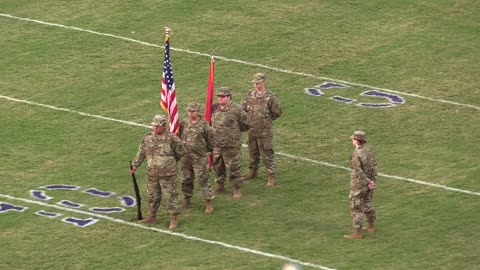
[161, 151]
[197, 138]
[261, 110]
[363, 169]
[228, 124]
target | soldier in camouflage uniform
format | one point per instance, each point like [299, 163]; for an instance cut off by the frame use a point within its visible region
[162, 150]
[363, 177]
[262, 108]
[198, 139]
[228, 121]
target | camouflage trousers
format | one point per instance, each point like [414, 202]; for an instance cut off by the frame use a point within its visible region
[228, 159]
[162, 185]
[261, 145]
[195, 166]
[362, 204]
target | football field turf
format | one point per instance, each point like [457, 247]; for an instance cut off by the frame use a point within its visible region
[80, 82]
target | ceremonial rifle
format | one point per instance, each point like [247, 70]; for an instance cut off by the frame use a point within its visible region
[137, 194]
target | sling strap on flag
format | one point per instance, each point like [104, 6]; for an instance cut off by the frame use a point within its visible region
[168, 98]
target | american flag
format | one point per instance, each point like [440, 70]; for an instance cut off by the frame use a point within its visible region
[168, 97]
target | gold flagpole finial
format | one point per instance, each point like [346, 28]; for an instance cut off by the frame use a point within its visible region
[168, 31]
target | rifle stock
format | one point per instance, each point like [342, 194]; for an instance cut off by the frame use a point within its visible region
[137, 195]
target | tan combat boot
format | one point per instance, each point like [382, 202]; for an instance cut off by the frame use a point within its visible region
[370, 228]
[236, 193]
[357, 234]
[252, 175]
[152, 217]
[271, 182]
[220, 188]
[187, 203]
[208, 207]
[173, 222]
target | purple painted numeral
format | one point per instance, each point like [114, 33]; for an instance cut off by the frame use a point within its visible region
[80, 222]
[61, 186]
[313, 92]
[40, 195]
[391, 97]
[70, 204]
[107, 209]
[128, 201]
[47, 214]
[343, 99]
[100, 193]
[6, 207]
[376, 105]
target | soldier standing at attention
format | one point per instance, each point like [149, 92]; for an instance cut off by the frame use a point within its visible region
[228, 121]
[363, 176]
[162, 150]
[262, 108]
[198, 139]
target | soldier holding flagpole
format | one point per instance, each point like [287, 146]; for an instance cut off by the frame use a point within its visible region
[228, 121]
[162, 149]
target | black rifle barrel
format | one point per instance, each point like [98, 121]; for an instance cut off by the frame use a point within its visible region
[137, 194]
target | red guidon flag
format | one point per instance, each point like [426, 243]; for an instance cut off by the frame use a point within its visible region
[207, 115]
[168, 98]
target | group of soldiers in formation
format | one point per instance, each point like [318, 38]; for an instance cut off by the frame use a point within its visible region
[221, 141]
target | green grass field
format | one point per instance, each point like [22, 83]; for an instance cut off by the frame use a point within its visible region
[80, 78]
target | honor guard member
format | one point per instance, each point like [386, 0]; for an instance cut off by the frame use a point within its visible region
[363, 177]
[228, 121]
[262, 108]
[162, 150]
[198, 138]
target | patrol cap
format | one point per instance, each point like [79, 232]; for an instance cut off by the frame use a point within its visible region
[224, 91]
[193, 106]
[258, 78]
[358, 135]
[159, 120]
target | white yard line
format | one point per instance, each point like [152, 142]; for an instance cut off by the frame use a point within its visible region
[186, 236]
[243, 62]
[243, 249]
[278, 153]
[383, 175]
[73, 111]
